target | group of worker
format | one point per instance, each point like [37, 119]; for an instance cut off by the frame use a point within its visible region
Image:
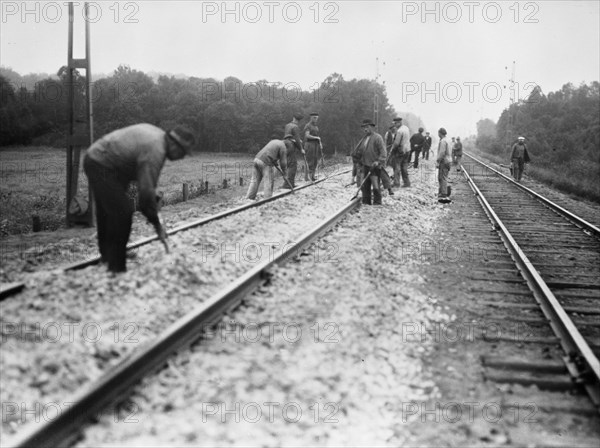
[282, 156]
[137, 154]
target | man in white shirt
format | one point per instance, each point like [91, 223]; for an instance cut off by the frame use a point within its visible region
[401, 153]
[444, 161]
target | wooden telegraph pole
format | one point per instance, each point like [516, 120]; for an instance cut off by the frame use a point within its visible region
[81, 128]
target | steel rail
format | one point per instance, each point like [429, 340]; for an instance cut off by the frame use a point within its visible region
[113, 386]
[580, 360]
[578, 221]
[13, 288]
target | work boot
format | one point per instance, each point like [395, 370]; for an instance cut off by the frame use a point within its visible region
[391, 192]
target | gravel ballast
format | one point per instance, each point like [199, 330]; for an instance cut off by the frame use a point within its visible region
[315, 357]
[66, 329]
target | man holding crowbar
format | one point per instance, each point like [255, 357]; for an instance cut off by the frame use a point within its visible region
[371, 156]
[133, 154]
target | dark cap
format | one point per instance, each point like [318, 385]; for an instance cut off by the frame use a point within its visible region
[314, 114]
[184, 137]
[367, 122]
[421, 129]
[298, 116]
[442, 131]
[395, 120]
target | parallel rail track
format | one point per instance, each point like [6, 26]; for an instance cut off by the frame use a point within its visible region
[114, 385]
[557, 254]
[11, 289]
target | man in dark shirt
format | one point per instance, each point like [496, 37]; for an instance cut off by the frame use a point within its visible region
[416, 144]
[293, 144]
[518, 158]
[135, 153]
[426, 146]
[312, 145]
[372, 155]
[457, 153]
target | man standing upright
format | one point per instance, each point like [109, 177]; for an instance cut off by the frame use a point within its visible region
[312, 145]
[401, 153]
[426, 146]
[293, 144]
[373, 157]
[134, 153]
[444, 160]
[416, 144]
[457, 152]
[518, 158]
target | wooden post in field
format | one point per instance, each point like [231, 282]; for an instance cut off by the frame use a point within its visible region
[241, 181]
[224, 183]
[36, 223]
[186, 191]
[206, 186]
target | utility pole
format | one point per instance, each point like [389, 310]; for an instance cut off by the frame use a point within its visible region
[81, 128]
[376, 97]
[511, 119]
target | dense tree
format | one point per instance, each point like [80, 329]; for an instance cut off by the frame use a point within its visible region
[228, 115]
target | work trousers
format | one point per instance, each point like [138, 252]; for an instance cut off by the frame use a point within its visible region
[312, 156]
[400, 165]
[417, 152]
[444, 170]
[292, 164]
[385, 179]
[518, 166]
[371, 181]
[458, 161]
[261, 171]
[426, 153]
[114, 212]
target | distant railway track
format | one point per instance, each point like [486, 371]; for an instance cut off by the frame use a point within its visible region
[557, 255]
[114, 385]
[13, 288]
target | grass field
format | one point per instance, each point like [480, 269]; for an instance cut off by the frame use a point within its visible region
[33, 182]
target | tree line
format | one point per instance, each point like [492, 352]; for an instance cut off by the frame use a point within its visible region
[562, 131]
[227, 115]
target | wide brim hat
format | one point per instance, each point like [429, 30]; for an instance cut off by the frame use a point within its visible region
[395, 120]
[183, 137]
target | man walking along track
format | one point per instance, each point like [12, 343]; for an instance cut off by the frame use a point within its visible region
[135, 153]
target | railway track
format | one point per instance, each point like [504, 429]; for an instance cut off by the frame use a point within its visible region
[13, 288]
[553, 293]
[112, 386]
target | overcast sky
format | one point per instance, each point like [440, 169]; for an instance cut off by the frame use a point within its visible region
[445, 66]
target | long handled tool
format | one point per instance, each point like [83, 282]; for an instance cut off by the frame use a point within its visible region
[361, 185]
[306, 171]
[162, 235]
[284, 178]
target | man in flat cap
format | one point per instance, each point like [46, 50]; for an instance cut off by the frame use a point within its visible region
[293, 144]
[372, 155]
[132, 154]
[272, 154]
[426, 146]
[401, 153]
[518, 158]
[443, 163]
[312, 145]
